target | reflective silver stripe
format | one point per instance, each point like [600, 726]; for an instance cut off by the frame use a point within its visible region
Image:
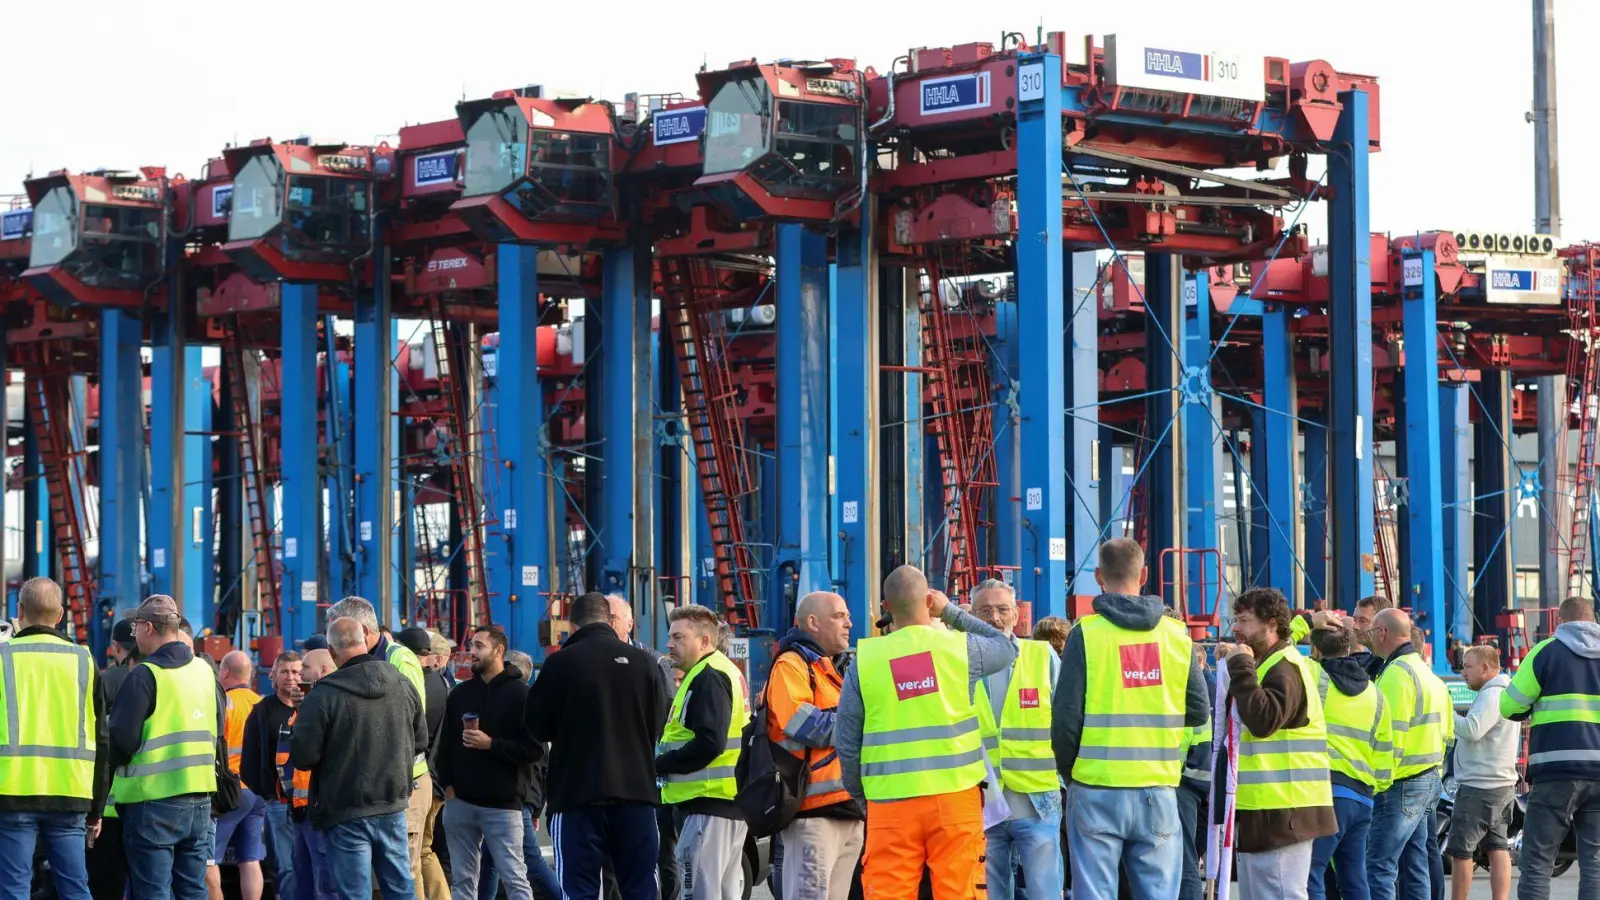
[1578, 704]
[819, 788]
[1416, 684]
[1383, 775]
[991, 742]
[1358, 765]
[733, 743]
[1350, 731]
[37, 751]
[1132, 754]
[1400, 725]
[1382, 746]
[715, 774]
[8, 671]
[1517, 696]
[671, 745]
[1025, 734]
[1197, 774]
[1427, 719]
[919, 733]
[176, 737]
[1027, 764]
[1422, 759]
[1555, 756]
[1131, 720]
[921, 763]
[168, 765]
[1283, 776]
[1322, 685]
[1274, 748]
[792, 745]
[801, 716]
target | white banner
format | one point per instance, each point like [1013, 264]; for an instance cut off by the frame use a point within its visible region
[1225, 743]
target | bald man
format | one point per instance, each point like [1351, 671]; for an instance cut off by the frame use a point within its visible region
[908, 740]
[823, 842]
[1402, 844]
[244, 829]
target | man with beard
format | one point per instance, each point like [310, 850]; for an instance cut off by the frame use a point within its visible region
[485, 761]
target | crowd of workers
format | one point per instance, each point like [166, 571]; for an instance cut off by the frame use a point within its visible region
[946, 758]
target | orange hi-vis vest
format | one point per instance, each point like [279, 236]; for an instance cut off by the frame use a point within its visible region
[795, 692]
[294, 785]
[241, 700]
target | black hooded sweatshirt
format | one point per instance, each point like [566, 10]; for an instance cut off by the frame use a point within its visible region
[500, 777]
[1348, 676]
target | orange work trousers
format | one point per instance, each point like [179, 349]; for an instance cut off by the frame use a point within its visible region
[942, 833]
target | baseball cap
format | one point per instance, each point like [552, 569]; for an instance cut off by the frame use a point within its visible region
[158, 609]
[416, 640]
[122, 634]
[315, 642]
[440, 644]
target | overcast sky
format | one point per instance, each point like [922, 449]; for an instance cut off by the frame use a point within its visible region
[142, 82]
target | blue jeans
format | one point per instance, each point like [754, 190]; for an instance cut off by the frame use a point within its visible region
[361, 849]
[1035, 844]
[1132, 829]
[168, 843]
[280, 844]
[64, 846]
[540, 878]
[1347, 850]
[1397, 848]
[1189, 800]
[313, 880]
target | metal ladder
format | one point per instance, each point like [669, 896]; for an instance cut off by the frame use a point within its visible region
[459, 417]
[50, 407]
[1584, 266]
[252, 470]
[952, 429]
[690, 305]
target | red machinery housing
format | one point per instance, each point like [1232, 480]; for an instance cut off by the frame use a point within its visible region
[98, 238]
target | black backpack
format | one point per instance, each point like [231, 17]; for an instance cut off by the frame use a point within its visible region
[771, 781]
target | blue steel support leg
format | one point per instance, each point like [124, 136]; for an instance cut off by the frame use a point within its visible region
[1313, 511]
[625, 442]
[1275, 442]
[1455, 498]
[121, 447]
[1496, 486]
[37, 539]
[853, 332]
[337, 482]
[1163, 495]
[1426, 587]
[802, 270]
[168, 365]
[302, 487]
[1350, 510]
[518, 577]
[916, 429]
[374, 441]
[1041, 303]
[1081, 422]
[1199, 446]
[198, 525]
[1007, 449]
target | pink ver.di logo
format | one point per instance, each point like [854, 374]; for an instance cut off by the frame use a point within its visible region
[1141, 665]
[913, 675]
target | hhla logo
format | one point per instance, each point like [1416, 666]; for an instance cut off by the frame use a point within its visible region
[914, 675]
[1141, 665]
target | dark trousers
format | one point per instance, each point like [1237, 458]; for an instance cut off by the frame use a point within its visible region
[108, 863]
[1190, 800]
[626, 834]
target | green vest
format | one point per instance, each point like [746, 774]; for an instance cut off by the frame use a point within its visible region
[403, 659]
[1359, 736]
[1289, 768]
[1198, 737]
[1133, 704]
[47, 741]
[1422, 713]
[716, 779]
[920, 735]
[1019, 743]
[177, 753]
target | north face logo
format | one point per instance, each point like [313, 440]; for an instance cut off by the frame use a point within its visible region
[1141, 665]
[1028, 698]
[913, 675]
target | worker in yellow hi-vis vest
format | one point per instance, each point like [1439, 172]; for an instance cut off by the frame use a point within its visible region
[699, 750]
[166, 729]
[54, 766]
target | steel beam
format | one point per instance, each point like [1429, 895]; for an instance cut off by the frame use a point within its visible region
[1198, 472]
[1555, 510]
[231, 524]
[802, 408]
[1350, 510]
[1546, 163]
[1455, 498]
[1081, 424]
[301, 586]
[1423, 580]
[1497, 488]
[1314, 508]
[1277, 452]
[916, 429]
[375, 439]
[857, 520]
[520, 572]
[337, 423]
[1007, 448]
[1041, 302]
[618, 381]
[1164, 428]
[122, 449]
[38, 539]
